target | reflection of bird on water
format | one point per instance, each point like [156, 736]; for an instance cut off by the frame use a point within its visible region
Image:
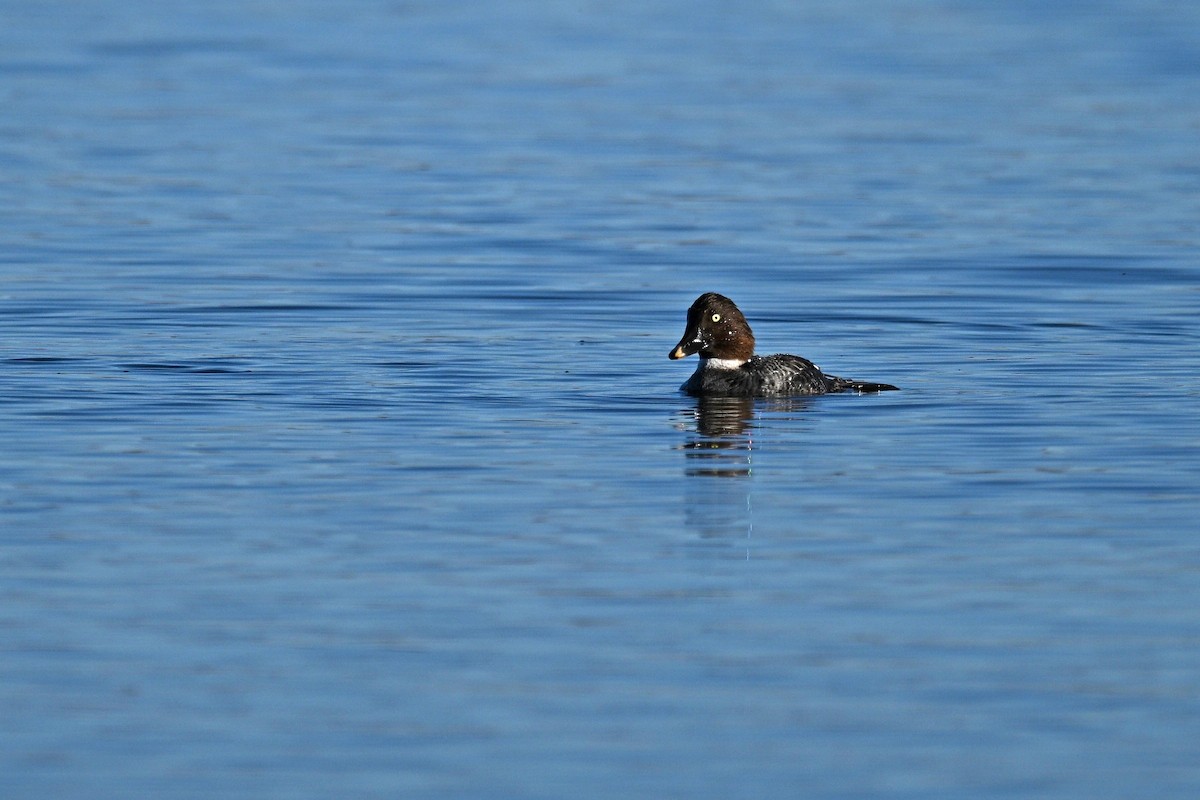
[723, 437]
[723, 443]
[720, 444]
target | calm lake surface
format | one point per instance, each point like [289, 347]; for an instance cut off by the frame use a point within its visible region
[340, 455]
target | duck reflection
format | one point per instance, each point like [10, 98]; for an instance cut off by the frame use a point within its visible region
[717, 455]
[721, 442]
[718, 461]
[721, 431]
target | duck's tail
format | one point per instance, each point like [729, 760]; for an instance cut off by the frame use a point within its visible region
[848, 385]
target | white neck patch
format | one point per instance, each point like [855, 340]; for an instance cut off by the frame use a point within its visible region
[721, 363]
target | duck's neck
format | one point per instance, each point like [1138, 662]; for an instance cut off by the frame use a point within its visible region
[721, 363]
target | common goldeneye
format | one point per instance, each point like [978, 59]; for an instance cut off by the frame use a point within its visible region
[728, 367]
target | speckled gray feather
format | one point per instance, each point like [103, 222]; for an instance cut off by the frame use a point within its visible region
[767, 376]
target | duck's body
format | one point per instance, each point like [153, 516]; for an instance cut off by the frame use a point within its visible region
[769, 376]
[718, 331]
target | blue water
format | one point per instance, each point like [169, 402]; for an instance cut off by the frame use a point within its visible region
[340, 455]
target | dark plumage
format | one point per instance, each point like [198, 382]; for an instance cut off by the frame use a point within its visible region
[718, 332]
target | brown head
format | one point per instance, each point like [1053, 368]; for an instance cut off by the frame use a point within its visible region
[715, 329]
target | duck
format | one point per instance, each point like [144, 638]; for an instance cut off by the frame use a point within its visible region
[717, 331]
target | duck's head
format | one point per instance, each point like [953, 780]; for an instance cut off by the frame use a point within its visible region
[715, 329]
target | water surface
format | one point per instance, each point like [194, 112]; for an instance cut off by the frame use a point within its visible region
[341, 453]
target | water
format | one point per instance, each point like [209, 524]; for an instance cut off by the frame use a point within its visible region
[341, 454]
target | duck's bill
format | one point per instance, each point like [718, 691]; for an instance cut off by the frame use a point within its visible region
[685, 348]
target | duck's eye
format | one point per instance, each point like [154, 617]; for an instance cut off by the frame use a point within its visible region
[716, 317]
